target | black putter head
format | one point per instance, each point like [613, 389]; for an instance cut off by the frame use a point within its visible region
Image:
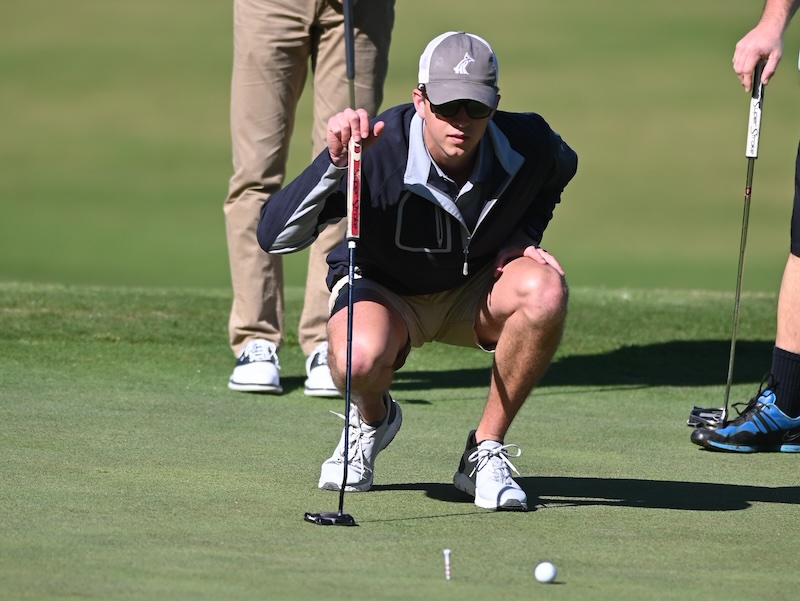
[330, 518]
[706, 417]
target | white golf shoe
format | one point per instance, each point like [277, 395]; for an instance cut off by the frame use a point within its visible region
[365, 442]
[485, 473]
[257, 369]
[319, 382]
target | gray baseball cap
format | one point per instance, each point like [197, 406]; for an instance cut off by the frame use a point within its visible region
[459, 66]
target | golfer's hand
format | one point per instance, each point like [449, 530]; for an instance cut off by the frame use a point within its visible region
[346, 125]
[536, 253]
[762, 42]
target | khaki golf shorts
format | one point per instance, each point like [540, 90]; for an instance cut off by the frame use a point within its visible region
[447, 317]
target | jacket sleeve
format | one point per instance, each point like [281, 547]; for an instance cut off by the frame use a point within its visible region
[292, 217]
[563, 169]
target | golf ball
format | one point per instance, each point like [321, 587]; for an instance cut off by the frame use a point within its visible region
[545, 572]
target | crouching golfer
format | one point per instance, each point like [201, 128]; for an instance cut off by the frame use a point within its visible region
[455, 197]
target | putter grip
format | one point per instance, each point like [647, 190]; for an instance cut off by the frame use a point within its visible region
[756, 106]
[353, 190]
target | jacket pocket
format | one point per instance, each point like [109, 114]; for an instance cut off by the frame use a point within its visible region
[422, 226]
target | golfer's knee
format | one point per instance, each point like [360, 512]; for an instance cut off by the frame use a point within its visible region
[363, 361]
[543, 294]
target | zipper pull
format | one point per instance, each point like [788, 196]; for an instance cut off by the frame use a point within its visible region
[465, 269]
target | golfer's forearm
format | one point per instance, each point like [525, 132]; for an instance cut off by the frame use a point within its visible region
[291, 218]
[777, 14]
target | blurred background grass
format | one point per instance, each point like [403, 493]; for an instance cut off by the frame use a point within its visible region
[115, 146]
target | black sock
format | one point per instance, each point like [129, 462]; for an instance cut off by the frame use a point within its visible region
[786, 371]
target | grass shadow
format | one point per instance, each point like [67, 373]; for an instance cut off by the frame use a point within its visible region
[563, 491]
[441, 491]
[672, 363]
[653, 494]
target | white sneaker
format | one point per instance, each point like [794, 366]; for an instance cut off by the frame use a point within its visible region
[318, 376]
[365, 442]
[257, 369]
[485, 473]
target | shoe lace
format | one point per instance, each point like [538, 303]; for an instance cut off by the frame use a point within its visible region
[483, 457]
[767, 383]
[262, 351]
[355, 451]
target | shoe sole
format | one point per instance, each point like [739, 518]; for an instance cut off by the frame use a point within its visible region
[463, 483]
[783, 448]
[255, 388]
[337, 486]
[325, 393]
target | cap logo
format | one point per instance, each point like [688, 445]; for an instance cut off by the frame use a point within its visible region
[461, 67]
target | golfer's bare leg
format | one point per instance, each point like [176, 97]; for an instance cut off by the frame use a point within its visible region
[788, 336]
[524, 313]
[379, 335]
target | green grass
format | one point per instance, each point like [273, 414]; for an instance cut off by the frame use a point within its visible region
[116, 148]
[128, 469]
[131, 472]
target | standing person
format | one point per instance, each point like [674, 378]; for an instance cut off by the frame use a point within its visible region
[274, 41]
[455, 198]
[771, 420]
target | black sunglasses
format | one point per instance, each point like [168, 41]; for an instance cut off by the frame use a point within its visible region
[475, 109]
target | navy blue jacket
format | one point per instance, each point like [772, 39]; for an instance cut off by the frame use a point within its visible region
[413, 240]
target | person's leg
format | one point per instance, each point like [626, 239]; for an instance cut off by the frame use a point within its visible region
[379, 337]
[269, 70]
[771, 421]
[523, 317]
[788, 334]
[786, 354]
[373, 23]
[379, 347]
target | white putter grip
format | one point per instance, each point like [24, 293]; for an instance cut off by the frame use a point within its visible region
[756, 104]
[353, 190]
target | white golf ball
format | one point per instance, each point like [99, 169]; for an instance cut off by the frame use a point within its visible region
[545, 572]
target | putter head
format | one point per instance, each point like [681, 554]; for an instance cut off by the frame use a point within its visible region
[330, 518]
[705, 417]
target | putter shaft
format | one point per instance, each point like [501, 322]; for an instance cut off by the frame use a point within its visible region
[738, 294]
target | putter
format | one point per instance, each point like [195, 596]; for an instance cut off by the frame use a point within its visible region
[718, 417]
[339, 518]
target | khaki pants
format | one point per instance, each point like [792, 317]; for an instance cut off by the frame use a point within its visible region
[274, 43]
